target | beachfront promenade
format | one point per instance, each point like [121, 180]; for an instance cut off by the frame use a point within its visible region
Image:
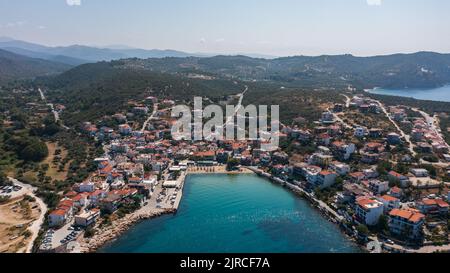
[334, 216]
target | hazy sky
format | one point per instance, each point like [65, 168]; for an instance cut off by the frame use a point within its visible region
[276, 27]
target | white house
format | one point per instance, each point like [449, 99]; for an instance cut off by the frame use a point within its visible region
[377, 186]
[369, 210]
[419, 172]
[360, 132]
[389, 202]
[340, 168]
[325, 179]
[86, 186]
[88, 218]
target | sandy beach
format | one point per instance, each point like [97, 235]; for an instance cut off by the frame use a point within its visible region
[109, 233]
[221, 169]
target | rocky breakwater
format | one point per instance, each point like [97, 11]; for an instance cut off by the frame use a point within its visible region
[108, 233]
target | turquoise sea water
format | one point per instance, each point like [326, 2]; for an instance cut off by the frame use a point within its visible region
[435, 94]
[222, 213]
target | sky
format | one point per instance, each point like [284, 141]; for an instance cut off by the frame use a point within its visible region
[271, 27]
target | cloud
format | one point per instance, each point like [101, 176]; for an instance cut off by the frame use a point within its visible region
[220, 40]
[202, 40]
[73, 2]
[15, 24]
[374, 2]
[41, 27]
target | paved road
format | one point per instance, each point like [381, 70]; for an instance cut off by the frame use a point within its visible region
[52, 107]
[433, 123]
[230, 119]
[36, 225]
[407, 137]
[347, 100]
[155, 110]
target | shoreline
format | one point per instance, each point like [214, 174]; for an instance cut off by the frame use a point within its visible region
[312, 201]
[221, 169]
[316, 204]
[112, 232]
[117, 228]
[109, 234]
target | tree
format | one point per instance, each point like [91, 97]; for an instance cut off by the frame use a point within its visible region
[36, 151]
[384, 167]
[363, 230]
[4, 180]
[383, 224]
[231, 163]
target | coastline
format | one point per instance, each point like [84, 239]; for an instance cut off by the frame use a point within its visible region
[118, 227]
[111, 232]
[322, 208]
[221, 169]
[108, 234]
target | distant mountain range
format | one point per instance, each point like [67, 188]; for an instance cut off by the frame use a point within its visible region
[79, 54]
[14, 66]
[416, 70]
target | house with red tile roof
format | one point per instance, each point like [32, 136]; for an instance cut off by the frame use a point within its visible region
[368, 210]
[433, 206]
[406, 223]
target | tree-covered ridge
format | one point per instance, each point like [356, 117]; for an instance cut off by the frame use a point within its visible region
[92, 91]
[418, 70]
[14, 66]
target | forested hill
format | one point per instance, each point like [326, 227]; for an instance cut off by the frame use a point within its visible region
[92, 91]
[417, 70]
[14, 66]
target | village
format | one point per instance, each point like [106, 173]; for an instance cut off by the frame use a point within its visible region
[381, 182]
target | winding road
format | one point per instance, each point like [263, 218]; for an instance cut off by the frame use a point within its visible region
[37, 224]
[52, 107]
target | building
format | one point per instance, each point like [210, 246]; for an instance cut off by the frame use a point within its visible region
[402, 179]
[368, 210]
[342, 150]
[396, 192]
[61, 214]
[86, 186]
[311, 173]
[357, 177]
[338, 107]
[325, 179]
[110, 203]
[340, 168]
[88, 218]
[406, 222]
[57, 218]
[393, 138]
[378, 187]
[389, 202]
[433, 206]
[125, 129]
[205, 156]
[370, 158]
[375, 133]
[419, 172]
[319, 159]
[360, 132]
[327, 117]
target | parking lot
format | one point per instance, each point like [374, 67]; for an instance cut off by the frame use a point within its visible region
[12, 191]
[55, 238]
